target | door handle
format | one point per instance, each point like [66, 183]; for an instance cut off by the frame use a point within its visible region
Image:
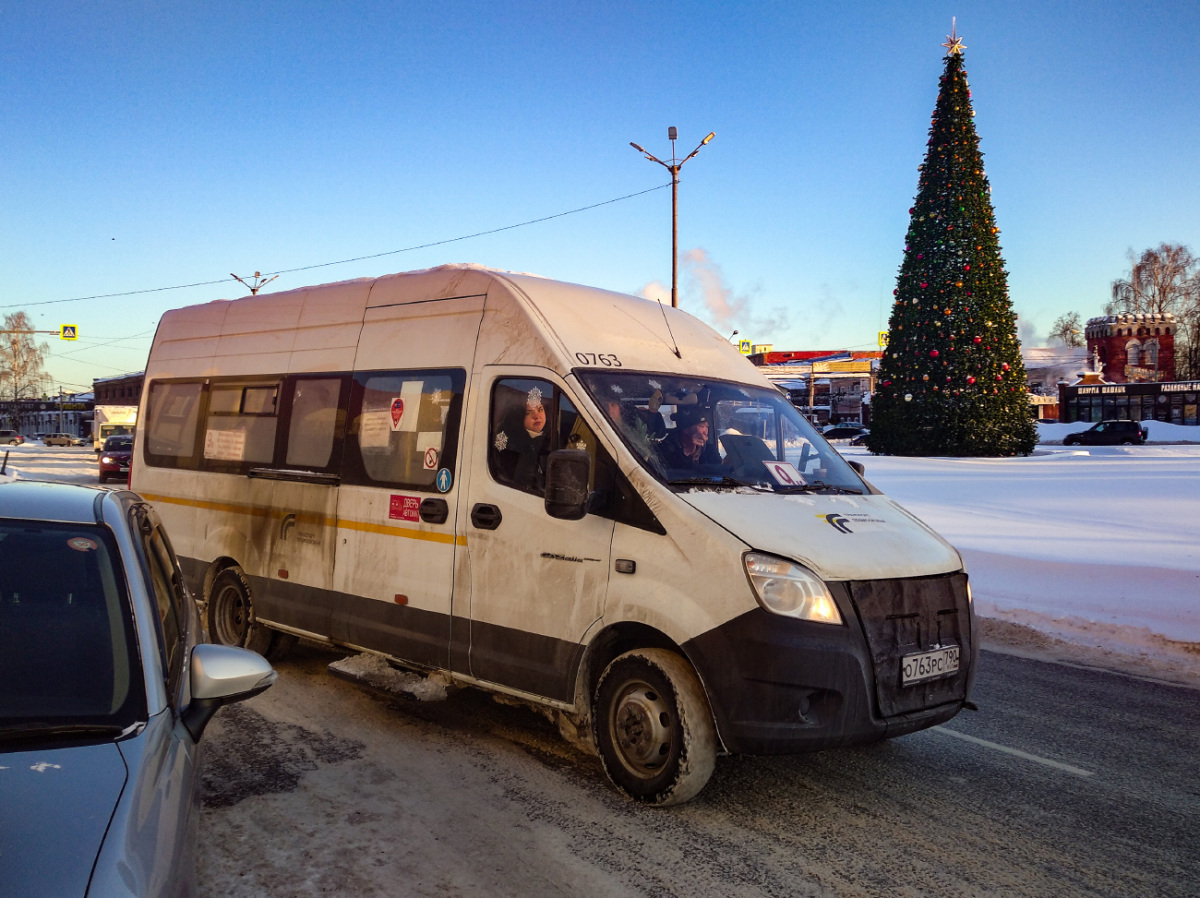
[486, 517]
[434, 511]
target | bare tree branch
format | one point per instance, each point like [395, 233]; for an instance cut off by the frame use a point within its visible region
[1068, 330]
[22, 359]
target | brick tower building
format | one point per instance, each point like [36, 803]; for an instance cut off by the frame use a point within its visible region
[1133, 348]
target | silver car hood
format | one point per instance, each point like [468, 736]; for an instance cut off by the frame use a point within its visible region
[55, 807]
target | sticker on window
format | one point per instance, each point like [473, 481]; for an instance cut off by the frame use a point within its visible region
[784, 472]
[225, 445]
[82, 544]
[374, 430]
[410, 405]
[429, 444]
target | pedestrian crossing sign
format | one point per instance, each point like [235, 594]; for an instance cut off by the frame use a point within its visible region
[68, 332]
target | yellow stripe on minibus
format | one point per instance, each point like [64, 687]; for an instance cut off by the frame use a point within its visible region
[265, 512]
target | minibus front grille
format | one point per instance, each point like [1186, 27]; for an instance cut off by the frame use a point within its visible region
[919, 616]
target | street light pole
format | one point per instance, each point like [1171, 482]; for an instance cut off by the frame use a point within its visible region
[673, 167]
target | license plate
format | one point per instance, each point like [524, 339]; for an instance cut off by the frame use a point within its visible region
[929, 665]
[124, 468]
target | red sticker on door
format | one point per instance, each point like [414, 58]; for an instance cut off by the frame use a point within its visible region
[405, 508]
[397, 412]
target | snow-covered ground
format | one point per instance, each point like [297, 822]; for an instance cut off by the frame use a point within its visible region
[1095, 546]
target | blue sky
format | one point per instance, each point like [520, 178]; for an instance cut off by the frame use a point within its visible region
[145, 145]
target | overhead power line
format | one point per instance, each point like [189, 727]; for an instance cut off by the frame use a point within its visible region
[393, 252]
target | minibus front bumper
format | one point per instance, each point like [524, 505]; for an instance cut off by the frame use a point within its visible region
[780, 685]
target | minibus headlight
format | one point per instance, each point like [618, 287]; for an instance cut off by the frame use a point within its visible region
[789, 589]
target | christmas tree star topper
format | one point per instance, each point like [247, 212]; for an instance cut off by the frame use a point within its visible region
[954, 44]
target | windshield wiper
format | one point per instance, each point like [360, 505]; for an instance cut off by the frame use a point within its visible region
[817, 486]
[713, 480]
[18, 731]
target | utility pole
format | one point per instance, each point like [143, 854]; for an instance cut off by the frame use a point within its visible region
[673, 168]
[259, 282]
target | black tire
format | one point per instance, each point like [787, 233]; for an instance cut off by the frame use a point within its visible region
[653, 727]
[1126, 442]
[231, 614]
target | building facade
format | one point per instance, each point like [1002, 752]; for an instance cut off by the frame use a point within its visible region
[67, 413]
[1172, 403]
[125, 389]
[829, 387]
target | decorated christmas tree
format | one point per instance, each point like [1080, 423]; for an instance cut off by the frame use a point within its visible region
[951, 381]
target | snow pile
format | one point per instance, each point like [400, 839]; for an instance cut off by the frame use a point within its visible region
[377, 673]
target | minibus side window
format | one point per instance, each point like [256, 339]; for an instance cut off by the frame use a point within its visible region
[173, 414]
[517, 458]
[314, 423]
[241, 425]
[522, 432]
[403, 428]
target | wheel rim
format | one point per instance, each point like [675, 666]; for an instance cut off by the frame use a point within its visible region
[641, 729]
[232, 615]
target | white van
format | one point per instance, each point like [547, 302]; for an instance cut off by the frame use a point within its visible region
[582, 499]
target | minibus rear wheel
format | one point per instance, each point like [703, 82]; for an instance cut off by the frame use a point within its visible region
[231, 614]
[653, 727]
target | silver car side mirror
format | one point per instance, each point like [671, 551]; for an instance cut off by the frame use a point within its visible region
[221, 675]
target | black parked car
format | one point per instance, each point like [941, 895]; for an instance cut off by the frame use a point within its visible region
[843, 431]
[1109, 433]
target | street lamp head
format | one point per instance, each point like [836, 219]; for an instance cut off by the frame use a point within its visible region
[672, 133]
[636, 147]
[711, 135]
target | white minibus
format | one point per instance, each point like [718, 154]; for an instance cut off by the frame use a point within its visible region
[585, 500]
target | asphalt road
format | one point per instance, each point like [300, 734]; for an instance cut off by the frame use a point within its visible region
[1068, 781]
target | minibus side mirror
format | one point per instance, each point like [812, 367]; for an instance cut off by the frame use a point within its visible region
[858, 467]
[567, 475]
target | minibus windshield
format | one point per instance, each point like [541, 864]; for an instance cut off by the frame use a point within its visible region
[689, 432]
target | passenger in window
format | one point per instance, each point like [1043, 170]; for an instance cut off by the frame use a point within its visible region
[521, 445]
[687, 446]
[629, 422]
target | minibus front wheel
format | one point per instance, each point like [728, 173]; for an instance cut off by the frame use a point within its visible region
[654, 728]
[231, 614]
